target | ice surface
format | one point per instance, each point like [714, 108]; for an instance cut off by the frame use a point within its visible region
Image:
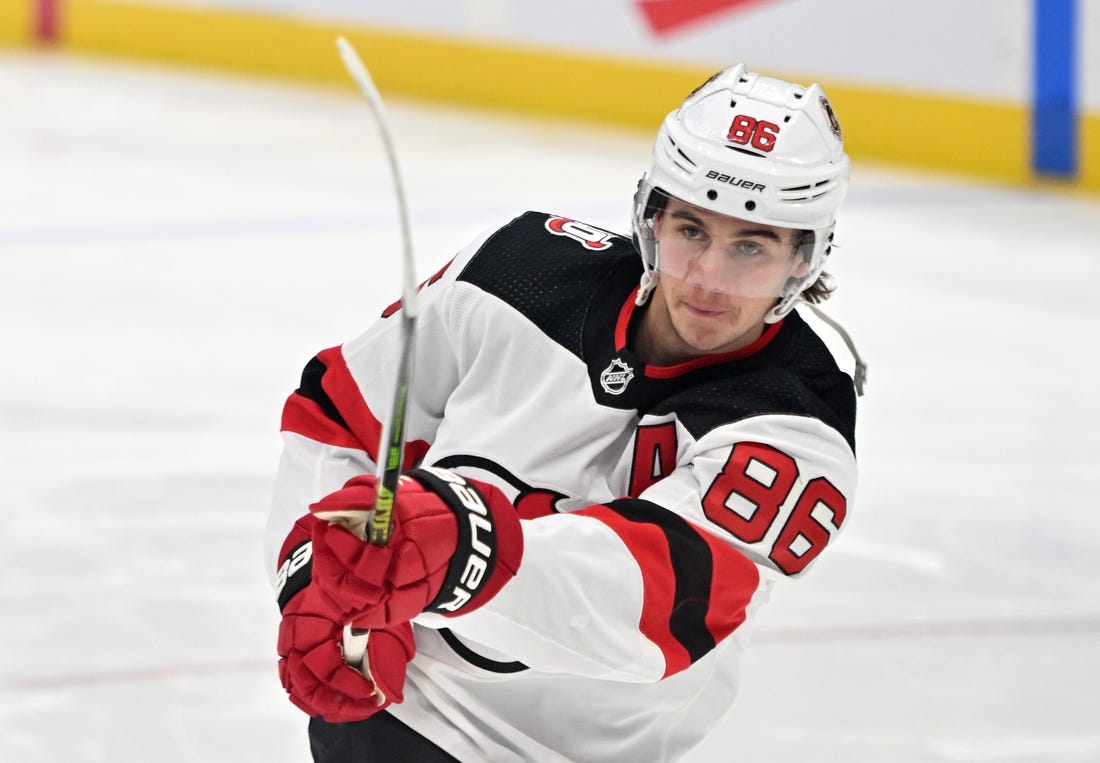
[174, 247]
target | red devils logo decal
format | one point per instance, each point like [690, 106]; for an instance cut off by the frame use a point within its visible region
[592, 238]
[834, 123]
[537, 502]
[530, 502]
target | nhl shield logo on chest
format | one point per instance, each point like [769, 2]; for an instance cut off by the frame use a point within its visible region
[615, 377]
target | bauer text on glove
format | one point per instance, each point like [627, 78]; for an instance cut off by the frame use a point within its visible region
[455, 543]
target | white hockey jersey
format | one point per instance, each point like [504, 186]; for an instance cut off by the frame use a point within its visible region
[659, 503]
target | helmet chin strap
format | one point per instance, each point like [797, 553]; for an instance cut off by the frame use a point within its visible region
[646, 286]
[649, 277]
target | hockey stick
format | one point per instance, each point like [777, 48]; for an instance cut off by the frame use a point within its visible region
[392, 442]
[391, 445]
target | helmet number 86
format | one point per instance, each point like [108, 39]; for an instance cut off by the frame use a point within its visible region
[747, 131]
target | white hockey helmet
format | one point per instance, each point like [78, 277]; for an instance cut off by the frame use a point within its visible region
[755, 148]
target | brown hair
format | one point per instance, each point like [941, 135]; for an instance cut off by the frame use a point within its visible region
[822, 288]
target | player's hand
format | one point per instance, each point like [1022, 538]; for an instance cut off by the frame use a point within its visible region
[455, 543]
[315, 674]
[312, 666]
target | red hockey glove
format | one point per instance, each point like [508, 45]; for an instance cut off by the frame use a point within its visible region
[455, 543]
[312, 667]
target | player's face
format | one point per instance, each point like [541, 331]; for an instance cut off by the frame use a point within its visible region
[719, 277]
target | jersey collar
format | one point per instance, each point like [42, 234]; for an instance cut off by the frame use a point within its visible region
[622, 331]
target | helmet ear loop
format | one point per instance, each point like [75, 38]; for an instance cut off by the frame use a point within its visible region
[792, 291]
[779, 312]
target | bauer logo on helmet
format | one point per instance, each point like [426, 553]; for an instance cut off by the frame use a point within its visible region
[736, 182]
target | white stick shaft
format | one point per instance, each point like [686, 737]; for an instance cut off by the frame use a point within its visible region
[392, 444]
[362, 78]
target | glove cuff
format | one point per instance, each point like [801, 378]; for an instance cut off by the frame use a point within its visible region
[490, 541]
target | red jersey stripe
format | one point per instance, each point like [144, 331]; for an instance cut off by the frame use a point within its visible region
[341, 417]
[649, 546]
[736, 579]
[696, 588]
[303, 416]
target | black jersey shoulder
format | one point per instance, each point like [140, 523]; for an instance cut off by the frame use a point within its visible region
[571, 280]
[795, 375]
[549, 268]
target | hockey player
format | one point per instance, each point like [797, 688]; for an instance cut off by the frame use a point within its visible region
[615, 447]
